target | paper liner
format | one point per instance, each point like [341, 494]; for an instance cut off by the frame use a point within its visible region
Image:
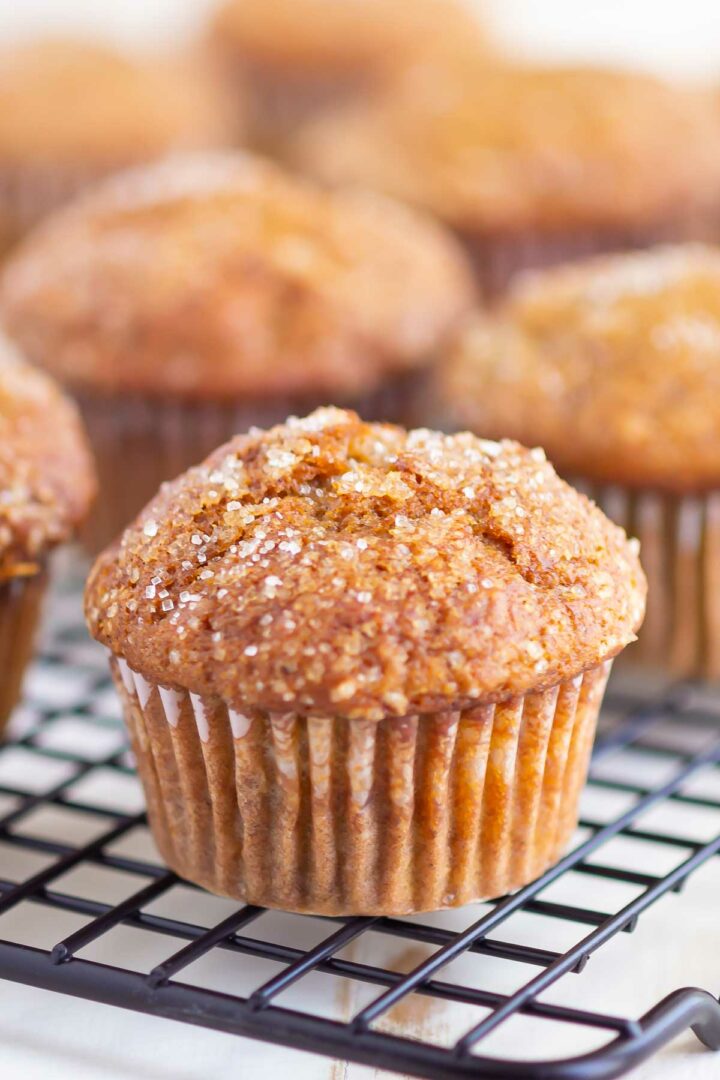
[680, 551]
[139, 442]
[498, 259]
[324, 815]
[20, 603]
[278, 105]
[29, 192]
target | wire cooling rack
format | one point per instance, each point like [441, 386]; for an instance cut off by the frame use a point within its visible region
[87, 909]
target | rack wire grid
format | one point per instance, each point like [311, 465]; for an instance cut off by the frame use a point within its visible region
[107, 922]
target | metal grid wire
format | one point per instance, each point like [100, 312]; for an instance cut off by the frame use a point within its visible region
[74, 846]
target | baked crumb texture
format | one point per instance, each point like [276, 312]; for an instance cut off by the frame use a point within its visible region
[71, 112]
[361, 667]
[612, 365]
[321, 39]
[220, 277]
[46, 473]
[506, 148]
[65, 102]
[366, 572]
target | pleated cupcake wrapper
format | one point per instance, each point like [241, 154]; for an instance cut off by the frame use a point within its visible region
[30, 192]
[319, 814]
[139, 442]
[680, 552]
[279, 105]
[20, 603]
[498, 259]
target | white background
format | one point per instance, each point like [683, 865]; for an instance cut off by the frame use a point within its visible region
[48, 1036]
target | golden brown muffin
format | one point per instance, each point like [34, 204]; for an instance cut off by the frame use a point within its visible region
[533, 164]
[613, 366]
[376, 656]
[298, 56]
[46, 485]
[183, 303]
[70, 112]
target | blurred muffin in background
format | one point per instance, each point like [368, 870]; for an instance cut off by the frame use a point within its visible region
[297, 56]
[613, 367]
[184, 302]
[532, 165]
[46, 485]
[71, 112]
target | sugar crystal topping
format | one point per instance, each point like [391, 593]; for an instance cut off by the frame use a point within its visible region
[221, 276]
[46, 478]
[368, 571]
[612, 364]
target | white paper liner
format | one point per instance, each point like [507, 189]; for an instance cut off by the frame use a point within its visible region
[279, 104]
[312, 813]
[20, 603]
[680, 553]
[29, 192]
[498, 259]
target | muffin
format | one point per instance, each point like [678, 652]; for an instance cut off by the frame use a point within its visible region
[361, 667]
[184, 302]
[46, 484]
[613, 366]
[71, 112]
[294, 57]
[533, 165]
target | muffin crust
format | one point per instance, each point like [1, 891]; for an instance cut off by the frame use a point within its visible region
[315, 37]
[221, 276]
[507, 148]
[357, 570]
[46, 474]
[78, 104]
[613, 366]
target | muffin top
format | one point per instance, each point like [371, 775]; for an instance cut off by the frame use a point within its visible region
[221, 276]
[46, 474]
[511, 147]
[364, 571]
[612, 365]
[69, 103]
[326, 37]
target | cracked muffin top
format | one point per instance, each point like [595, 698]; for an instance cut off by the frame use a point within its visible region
[324, 37]
[46, 473]
[364, 571]
[73, 103]
[508, 147]
[218, 276]
[612, 365]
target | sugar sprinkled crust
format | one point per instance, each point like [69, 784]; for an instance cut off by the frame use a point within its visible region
[494, 150]
[46, 475]
[612, 365]
[324, 37]
[73, 103]
[218, 276]
[364, 571]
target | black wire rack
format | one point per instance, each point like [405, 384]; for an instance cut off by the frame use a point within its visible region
[71, 816]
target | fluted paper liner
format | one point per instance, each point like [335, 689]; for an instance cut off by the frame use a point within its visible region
[498, 259]
[680, 544]
[139, 442]
[29, 192]
[20, 603]
[325, 815]
[278, 104]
